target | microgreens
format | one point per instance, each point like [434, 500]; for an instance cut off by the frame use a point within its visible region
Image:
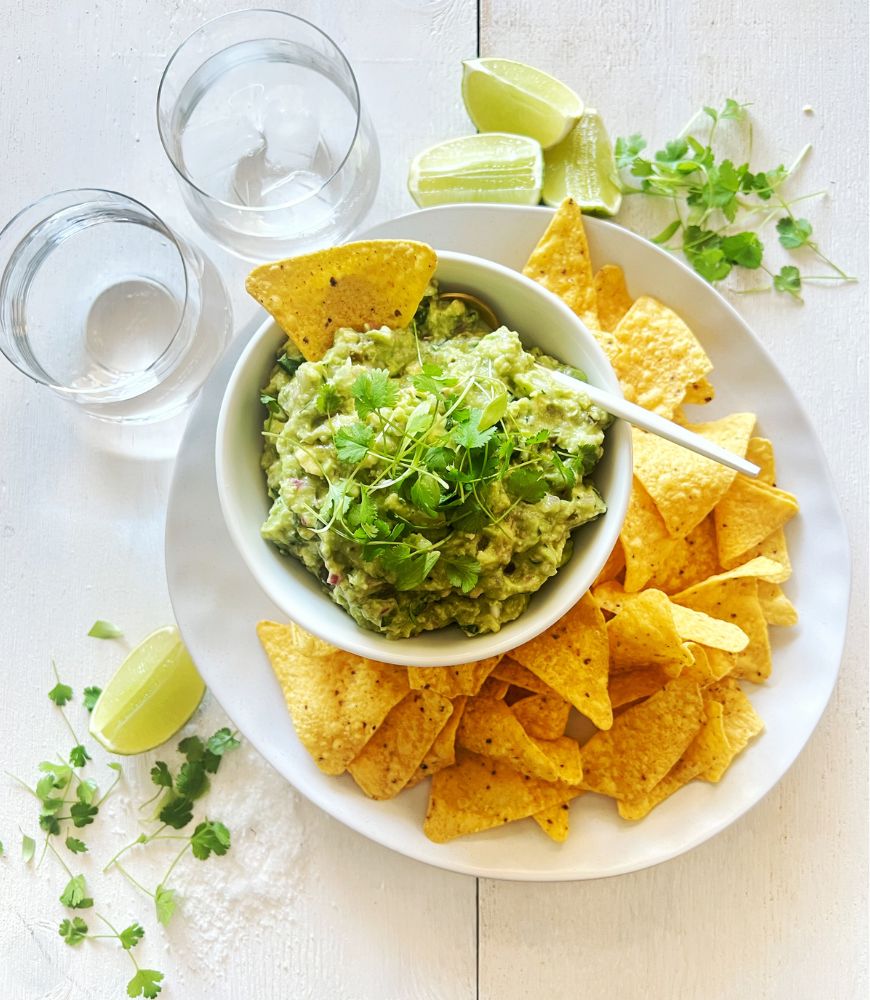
[721, 207]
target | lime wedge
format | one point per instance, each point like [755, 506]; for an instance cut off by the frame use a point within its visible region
[581, 167]
[505, 96]
[486, 167]
[154, 692]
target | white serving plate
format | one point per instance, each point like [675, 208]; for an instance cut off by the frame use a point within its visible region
[217, 603]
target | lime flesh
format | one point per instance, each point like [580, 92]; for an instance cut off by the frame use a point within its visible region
[581, 167]
[151, 696]
[491, 167]
[502, 95]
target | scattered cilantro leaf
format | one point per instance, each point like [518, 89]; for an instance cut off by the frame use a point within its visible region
[289, 364]
[60, 694]
[462, 572]
[131, 936]
[79, 756]
[28, 848]
[73, 931]
[90, 697]
[75, 845]
[789, 281]
[328, 400]
[466, 432]
[372, 391]
[86, 791]
[177, 813]
[145, 983]
[272, 405]
[494, 410]
[426, 494]
[210, 837]
[667, 232]
[164, 904]
[104, 630]
[74, 895]
[82, 813]
[191, 781]
[161, 775]
[223, 740]
[794, 233]
[352, 443]
[627, 149]
[743, 250]
[414, 570]
[49, 823]
[527, 484]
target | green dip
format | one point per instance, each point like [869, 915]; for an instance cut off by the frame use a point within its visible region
[431, 474]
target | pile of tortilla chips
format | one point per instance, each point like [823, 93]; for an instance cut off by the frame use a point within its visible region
[633, 693]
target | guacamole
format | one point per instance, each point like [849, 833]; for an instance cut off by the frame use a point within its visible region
[431, 474]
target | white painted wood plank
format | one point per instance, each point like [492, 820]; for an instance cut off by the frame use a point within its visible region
[776, 906]
[314, 910]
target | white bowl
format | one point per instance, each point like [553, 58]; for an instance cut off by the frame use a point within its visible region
[541, 320]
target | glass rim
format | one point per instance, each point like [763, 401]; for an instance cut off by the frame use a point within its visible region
[183, 175]
[84, 196]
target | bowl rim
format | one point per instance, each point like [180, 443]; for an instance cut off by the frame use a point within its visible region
[375, 645]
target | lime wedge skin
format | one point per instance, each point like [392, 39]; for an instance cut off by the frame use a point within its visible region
[151, 696]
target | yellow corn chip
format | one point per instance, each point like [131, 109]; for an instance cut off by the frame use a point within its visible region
[479, 793]
[644, 743]
[515, 673]
[630, 685]
[614, 566]
[658, 356]
[684, 486]
[643, 634]
[464, 678]
[701, 628]
[337, 702]
[391, 757]
[748, 513]
[775, 606]
[359, 285]
[699, 393]
[442, 753]
[645, 539]
[554, 822]
[759, 451]
[689, 560]
[572, 657]
[707, 751]
[561, 263]
[742, 723]
[612, 296]
[543, 716]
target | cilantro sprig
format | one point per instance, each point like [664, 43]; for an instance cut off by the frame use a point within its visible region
[721, 207]
[145, 982]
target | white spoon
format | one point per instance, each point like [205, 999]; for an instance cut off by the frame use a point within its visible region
[619, 407]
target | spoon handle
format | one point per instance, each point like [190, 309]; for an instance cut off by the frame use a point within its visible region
[657, 425]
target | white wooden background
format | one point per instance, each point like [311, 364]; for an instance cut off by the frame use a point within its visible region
[775, 907]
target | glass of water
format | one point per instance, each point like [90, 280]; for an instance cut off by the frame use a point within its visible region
[101, 302]
[260, 114]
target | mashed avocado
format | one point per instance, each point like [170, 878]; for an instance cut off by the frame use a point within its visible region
[431, 474]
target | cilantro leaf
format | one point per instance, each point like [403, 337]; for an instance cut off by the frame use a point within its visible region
[462, 572]
[164, 904]
[145, 983]
[90, 697]
[667, 232]
[419, 419]
[160, 775]
[223, 740]
[527, 484]
[210, 837]
[131, 936]
[60, 694]
[192, 782]
[468, 516]
[494, 410]
[82, 813]
[192, 747]
[75, 845]
[789, 281]
[74, 896]
[673, 152]
[177, 813]
[426, 494]
[73, 931]
[733, 110]
[49, 823]
[793, 233]
[79, 756]
[87, 791]
[104, 630]
[413, 571]
[289, 364]
[372, 391]
[28, 848]
[272, 405]
[352, 444]
[328, 399]
[466, 431]
[627, 148]
[743, 249]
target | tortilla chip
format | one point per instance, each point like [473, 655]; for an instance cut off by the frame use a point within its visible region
[773, 548]
[689, 560]
[643, 634]
[748, 513]
[543, 716]
[359, 285]
[442, 753]
[554, 822]
[700, 393]
[775, 606]
[451, 682]
[614, 566]
[572, 657]
[494, 688]
[733, 598]
[337, 701]
[612, 296]
[644, 743]
[759, 451]
[658, 356]
[645, 539]
[707, 751]
[631, 685]
[479, 793]
[489, 727]
[699, 627]
[515, 673]
[742, 723]
[684, 486]
[391, 757]
[561, 263]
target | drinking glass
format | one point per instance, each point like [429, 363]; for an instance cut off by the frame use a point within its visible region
[102, 303]
[260, 115]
